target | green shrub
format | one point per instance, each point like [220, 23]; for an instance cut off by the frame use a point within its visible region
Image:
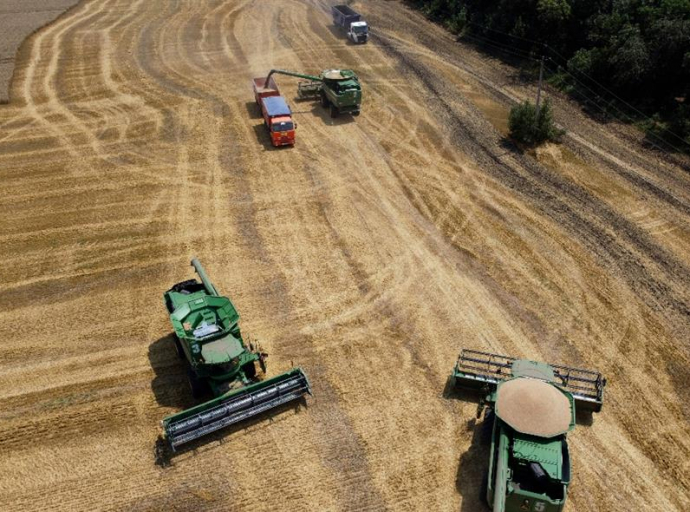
[526, 128]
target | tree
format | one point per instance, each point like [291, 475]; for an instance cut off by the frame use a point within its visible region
[631, 60]
[553, 11]
[528, 128]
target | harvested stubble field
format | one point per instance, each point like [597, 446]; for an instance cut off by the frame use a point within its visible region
[18, 19]
[369, 254]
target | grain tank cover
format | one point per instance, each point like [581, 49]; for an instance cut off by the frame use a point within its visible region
[535, 407]
[276, 106]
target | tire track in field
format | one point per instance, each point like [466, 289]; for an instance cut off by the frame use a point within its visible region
[341, 450]
[580, 226]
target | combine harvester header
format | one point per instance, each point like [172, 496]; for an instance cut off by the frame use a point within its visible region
[207, 335]
[478, 370]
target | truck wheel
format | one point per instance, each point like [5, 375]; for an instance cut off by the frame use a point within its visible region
[334, 111]
[324, 99]
[355, 113]
[178, 348]
[195, 384]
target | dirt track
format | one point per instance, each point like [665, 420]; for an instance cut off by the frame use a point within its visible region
[369, 254]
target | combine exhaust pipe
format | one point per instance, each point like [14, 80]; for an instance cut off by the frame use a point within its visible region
[234, 407]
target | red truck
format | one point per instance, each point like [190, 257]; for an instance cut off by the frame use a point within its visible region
[275, 110]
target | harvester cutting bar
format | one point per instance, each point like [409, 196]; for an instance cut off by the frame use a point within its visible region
[308, 89]
[234, 407]
[586, 386]
[477, 370]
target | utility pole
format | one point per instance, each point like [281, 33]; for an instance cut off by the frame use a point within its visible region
[541, 76]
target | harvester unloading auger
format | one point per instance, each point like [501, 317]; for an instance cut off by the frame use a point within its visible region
[533, 406]
[207, 335]
[337, 89]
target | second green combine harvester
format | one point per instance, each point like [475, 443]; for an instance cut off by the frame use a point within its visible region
[532, 407]
[219, 362]
[337, 89]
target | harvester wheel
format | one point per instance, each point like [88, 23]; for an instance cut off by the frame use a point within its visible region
[324, 99]
[249, 370]
[484, 488]
[196, 385]
[334, 111]
[178, 348]
[487, 426]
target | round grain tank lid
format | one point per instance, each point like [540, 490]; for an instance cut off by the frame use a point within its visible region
[534, 407]
[333, 74]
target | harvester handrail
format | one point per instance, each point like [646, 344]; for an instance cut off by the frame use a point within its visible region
[472, 351]
[591, 390]
[481, 361]
[573, 369]
[575, 377]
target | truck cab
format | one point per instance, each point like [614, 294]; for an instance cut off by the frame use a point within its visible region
[282, 131]
[358, 32]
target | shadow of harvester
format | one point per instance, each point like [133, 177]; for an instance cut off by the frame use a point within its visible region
[470, 480]
[169, 385]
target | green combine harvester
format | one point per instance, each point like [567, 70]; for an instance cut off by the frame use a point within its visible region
[532, 406]
[337, 89]
[207, 335]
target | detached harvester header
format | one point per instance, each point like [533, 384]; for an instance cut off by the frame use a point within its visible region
[533, 407]
[207, 335]
[338, 89]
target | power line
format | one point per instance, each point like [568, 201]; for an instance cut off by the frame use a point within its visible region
[504, 33]
[598, 84]
[612, 94]
[527, 55]
[513, 51]
[628, 116]
[595, 103]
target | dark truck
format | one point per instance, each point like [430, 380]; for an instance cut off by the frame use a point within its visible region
[357, 29]
[275, 111]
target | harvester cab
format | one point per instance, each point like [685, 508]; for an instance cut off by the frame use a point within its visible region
[219, 362]
[533, 406]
